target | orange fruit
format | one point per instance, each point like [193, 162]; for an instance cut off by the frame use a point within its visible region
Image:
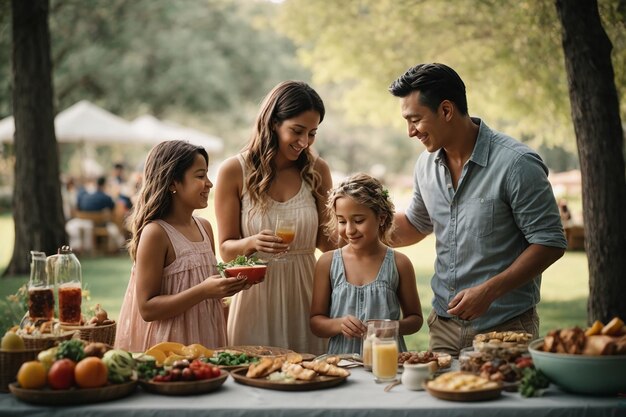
[32, 375]
[91, 372]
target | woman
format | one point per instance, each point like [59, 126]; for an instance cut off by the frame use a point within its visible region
[276, 175]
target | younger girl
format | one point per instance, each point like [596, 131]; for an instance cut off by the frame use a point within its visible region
[174, 293]
[365, 279]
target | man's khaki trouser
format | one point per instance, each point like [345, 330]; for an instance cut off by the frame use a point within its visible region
[450, 335]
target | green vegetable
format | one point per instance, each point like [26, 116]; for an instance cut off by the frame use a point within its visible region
[120, 365]
[230, 359]
[71, 349]
[240, 260]
[533, 381]
[148, 370]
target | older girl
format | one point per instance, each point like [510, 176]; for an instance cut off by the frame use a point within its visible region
[174, 293]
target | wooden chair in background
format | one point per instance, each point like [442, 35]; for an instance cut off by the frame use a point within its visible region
[100, 234]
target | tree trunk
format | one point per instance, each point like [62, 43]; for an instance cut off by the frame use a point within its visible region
[599, 136]
[37, 205]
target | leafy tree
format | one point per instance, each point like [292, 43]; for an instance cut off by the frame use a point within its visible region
[205, 57]
[595, 111]
[37, 207]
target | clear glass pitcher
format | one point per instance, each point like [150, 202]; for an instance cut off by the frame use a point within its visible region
[40, 289]
[68, 279]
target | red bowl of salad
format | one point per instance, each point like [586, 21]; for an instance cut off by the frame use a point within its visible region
[253, 269]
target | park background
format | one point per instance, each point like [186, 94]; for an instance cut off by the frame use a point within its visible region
[207, 65]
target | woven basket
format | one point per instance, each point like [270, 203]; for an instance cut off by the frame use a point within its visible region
[10, 362]
[104, 334]
[46, 341]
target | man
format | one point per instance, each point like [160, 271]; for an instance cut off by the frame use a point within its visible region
[97, 200]
[80, 230]
[487, 198]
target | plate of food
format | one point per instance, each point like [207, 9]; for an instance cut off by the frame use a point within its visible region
[463, 386]
[201, 386]
[250, 267]
[74, 396]
[290, 374]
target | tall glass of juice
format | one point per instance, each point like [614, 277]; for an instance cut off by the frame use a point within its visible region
[385, 351]
[40, 292]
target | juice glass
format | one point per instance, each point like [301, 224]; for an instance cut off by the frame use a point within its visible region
[385, 350]
[286, 230]
[367, 353]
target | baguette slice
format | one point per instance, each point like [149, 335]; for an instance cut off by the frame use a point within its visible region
[613, 327]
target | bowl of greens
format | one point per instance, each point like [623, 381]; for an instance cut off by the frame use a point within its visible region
[250, 267]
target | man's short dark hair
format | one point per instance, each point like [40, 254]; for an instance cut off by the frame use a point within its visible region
[435, 82]
[101, 181]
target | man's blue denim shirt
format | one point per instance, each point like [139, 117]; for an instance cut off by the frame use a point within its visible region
[502, 204]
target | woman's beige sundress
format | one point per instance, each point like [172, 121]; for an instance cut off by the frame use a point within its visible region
[202, 323]
[276, 311]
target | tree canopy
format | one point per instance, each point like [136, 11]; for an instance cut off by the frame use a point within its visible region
[202, 57]
[508, 52]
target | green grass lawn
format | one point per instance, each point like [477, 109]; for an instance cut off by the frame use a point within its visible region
[564, 290]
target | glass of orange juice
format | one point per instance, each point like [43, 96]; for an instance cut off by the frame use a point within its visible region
[385, 350]
[286, 230]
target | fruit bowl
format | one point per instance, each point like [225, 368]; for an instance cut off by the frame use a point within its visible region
[583, 374]
[254, 273]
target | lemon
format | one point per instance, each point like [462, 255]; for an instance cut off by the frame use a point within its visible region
[12, 341]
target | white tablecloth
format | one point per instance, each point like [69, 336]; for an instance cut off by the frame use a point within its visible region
[358, 396]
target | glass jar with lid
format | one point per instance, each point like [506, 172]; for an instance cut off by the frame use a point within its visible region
[68, 280]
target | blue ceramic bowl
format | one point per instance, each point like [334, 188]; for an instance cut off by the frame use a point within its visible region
[582, 374]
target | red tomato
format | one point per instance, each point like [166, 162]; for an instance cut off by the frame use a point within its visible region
[215, 371]
[61, 374]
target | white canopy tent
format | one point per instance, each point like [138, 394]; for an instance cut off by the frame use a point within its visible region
[155, 131]
[7, 129]
[84, 122]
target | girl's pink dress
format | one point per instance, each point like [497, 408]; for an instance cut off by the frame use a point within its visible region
[202, 323]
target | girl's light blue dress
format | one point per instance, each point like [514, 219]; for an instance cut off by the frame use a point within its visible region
[376, 300]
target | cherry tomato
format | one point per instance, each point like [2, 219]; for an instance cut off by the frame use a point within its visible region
[188, 374]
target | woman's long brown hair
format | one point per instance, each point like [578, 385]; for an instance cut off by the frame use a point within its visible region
[287, 100]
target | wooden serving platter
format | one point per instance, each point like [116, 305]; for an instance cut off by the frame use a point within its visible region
[73, 396]
[319, 382]
[472, 395]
